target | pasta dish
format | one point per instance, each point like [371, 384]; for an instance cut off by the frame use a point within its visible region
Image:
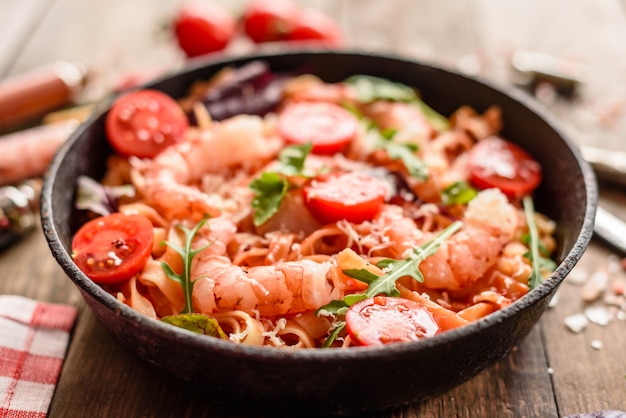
[282, 210]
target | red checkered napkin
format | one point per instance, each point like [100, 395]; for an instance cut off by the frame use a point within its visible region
[33, 342]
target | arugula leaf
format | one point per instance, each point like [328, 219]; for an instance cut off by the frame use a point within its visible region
[383, 139]
[197, 322]
[370, 88]
[362, 275]
[386, 284]
[187, 253]
[334, 334]
[458, 193]
[395, 269]
[406, 153]
[539, 262]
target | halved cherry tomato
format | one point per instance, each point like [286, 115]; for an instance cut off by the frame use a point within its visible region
[113, 248]
[203, 27]
[315, 25]
[145, 122]
[269, 20]
[383, 320]
[353, 196]
[496, 162]
[328, 127]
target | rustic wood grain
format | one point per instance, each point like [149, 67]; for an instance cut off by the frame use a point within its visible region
[553, 372]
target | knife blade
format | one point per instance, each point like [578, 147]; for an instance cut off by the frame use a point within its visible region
[609, 165]
[610, 228]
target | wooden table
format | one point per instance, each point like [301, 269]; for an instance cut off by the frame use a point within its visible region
[554, 372]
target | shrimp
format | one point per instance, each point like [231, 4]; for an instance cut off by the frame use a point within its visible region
[284, 288]
[490, 223]
[169, 181]
[393, 234]
[478, 126]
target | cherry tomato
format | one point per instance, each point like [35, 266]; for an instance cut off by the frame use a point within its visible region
[384, 320]
[353, 196]
[314, 25]
[269, 20]
[203, 27]
[495, 162]
[145, 122]
[329, 127]
[113, 248]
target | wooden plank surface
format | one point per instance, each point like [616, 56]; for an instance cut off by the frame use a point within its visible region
[552, 373]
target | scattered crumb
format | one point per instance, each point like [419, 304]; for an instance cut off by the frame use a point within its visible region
[550, 370]
[598, 315]
[596, 344]
[603, 294]
[576, 323]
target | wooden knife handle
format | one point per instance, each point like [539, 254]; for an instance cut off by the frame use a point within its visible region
[27, 97]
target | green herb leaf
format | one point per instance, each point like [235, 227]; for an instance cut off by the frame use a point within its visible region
[406, 153]
[539, 262]
[386, 284]
[292, 158]
[270, 188]
[543, 251]
[187, 253]
[335, 307]
[436, 119]
[458, 193]
[395, 269]
[389, 133]
[197, 322]
[369, 88]
[362, 275]
[333, 335]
